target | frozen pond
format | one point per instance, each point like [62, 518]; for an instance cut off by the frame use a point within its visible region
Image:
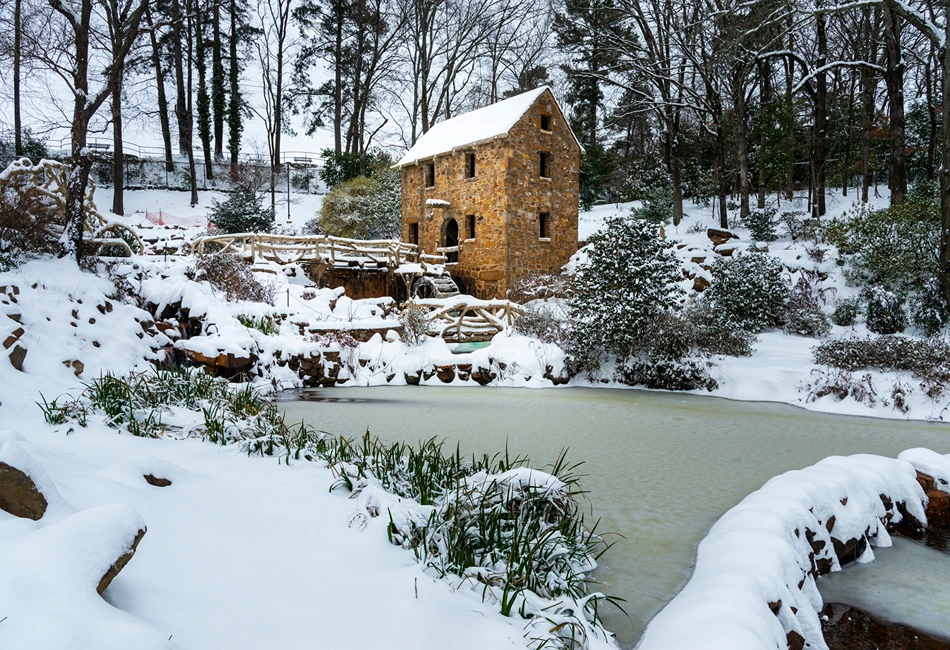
[661, 467]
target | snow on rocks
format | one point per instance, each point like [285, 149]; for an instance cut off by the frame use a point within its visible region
[56, 566]
[754, 581]
[26, 490]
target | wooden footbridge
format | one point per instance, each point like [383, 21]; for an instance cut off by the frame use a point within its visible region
[342, 261]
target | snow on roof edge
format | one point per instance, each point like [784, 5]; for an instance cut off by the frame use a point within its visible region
[477, 126]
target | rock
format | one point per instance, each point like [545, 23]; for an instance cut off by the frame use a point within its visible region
[717, 236]
[464, 371]
[700, 283]
[157, 481]
[77, 366]
[120, 563]
[19, 495]
[483, 376]
[926, 482]
[698, 259]
[13, 338]
[725, 250]
[412, 380]
[937, 502]
[794, 641]
[446, 373]
[17, 356]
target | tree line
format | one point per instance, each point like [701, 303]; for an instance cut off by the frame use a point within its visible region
[740, 99]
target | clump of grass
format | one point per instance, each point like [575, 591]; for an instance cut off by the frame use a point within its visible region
[264, 324]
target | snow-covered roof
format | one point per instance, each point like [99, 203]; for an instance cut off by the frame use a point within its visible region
[469, 128]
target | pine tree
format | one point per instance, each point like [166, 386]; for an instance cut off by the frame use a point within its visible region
[628, 279]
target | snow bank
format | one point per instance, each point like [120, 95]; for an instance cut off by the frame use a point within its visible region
[754, 582]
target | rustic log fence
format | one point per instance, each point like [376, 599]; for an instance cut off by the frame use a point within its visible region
[468, 319]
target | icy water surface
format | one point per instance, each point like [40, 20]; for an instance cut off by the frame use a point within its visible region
[662, 467]
[908, 584]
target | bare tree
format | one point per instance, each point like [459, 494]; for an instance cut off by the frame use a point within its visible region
[70, 59]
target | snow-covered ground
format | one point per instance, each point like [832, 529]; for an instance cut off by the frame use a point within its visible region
[245, 552]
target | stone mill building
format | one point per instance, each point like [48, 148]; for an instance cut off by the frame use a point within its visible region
[496, 190]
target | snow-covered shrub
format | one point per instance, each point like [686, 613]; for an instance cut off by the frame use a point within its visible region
[416, 326]
[28, 224]
[803, 314]
[749, 290]
[539, 286]
[233, 277]
[688, 374]
[335, 339]
[895, 248]
[795, 223]
[361, 208]
[628, 277]
[542, 324]
[846, 311]
[884, 311]
[762, 225]
[711, 331]
[657, 205]
[242, 212]
[929, 358]
[928, 308]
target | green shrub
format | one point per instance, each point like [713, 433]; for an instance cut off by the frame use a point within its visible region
[265, 324]
[362, 208]
[542, 324]
[846, 311]
[884, 311]
[748, 291]
[895, 248]
[803, 313]
[657, 205]
[928, 308]
[761, 225]
[664, 374]
[242, 212]
[629, 275]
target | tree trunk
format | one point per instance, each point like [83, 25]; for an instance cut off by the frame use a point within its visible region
[17, 46]
[162, 101]
[338, 88]
[723, 177]
[894, 78]
[182, 113]
[790, 108]
[204, 100]
[846, 163]
[765, 98]
[742, 136]
[945, 169]
[217, 83]
[118, 157]
[235, 127]
[932, 142]
[820, 134]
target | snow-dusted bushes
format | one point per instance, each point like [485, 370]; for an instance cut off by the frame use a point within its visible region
[748, 291]
[539, 286]
[884, 311]
[803, 313]
[927, 358]
[928, 309]
[628, 278]
[242, 212]
[762, 225]
[544, 325]
[846, 311]
[362, 208]
[28, 224]
[416, 327]
[233, 277]
[657, 205]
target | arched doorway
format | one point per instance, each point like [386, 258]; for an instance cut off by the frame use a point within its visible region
[451, 240]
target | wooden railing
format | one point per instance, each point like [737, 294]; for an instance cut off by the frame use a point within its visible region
[288, 249]
[468, 319]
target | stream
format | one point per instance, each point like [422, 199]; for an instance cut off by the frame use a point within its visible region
[660, 468]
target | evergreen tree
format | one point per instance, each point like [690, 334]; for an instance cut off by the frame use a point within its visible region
[242, 212]
[628, 280]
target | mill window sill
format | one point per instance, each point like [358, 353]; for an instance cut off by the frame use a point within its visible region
[545, 178]
[547, 131]
[544, 239]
